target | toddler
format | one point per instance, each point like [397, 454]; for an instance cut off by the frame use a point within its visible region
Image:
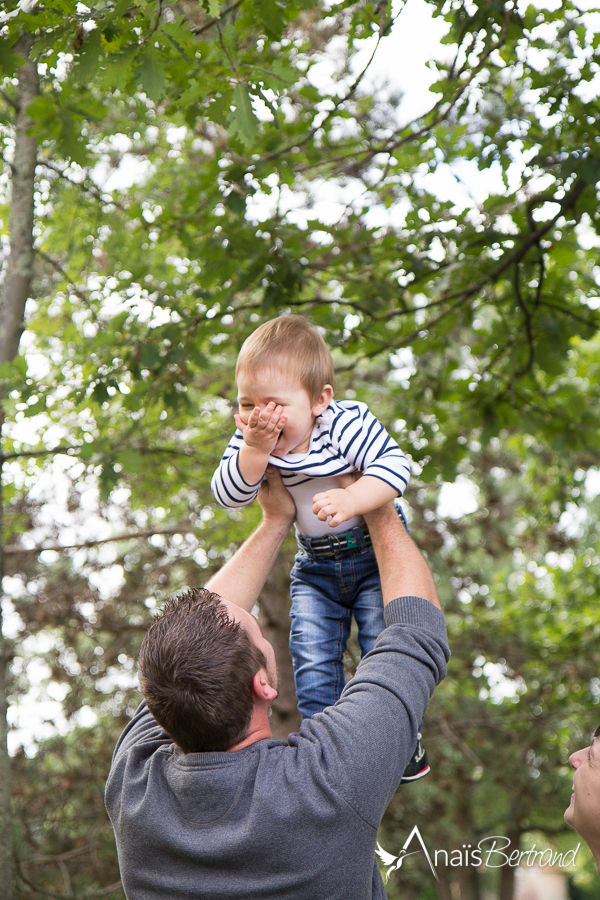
[288, 418]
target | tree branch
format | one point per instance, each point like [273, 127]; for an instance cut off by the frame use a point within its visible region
[72, 451]
[527, 316]
[93, 190]
[44, 893]
[336, 105]
[439, 114]
[58, 857]
[9, 100]
[213, 22]
[470, 754]
[68, 451]
[57, 266]
[569, 312]
[15, 550]
[529, 239]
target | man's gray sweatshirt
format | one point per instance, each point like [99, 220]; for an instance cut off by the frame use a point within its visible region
[277, 820]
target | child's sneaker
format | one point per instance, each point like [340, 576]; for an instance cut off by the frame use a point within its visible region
[418, 766]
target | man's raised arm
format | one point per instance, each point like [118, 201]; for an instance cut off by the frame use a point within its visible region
[242, 578]
[402, 568]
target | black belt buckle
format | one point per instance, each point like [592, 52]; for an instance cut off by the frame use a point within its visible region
[333, 545]
[337, 544]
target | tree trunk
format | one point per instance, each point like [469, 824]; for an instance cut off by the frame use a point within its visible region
[16, 289]
[468, 880]
[5, 812]
[507, 873]
[19, 272]
[444, 886]
[465, 882]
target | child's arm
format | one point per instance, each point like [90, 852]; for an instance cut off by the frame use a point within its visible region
[365, 495]
[237, 479]
[363, 442]
[260, 437]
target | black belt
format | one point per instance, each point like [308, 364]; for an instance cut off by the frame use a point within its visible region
[336, 544]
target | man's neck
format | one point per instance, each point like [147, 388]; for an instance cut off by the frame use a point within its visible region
[259, 730]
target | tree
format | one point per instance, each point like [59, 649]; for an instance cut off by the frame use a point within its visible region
[15, 290]
[143, 293]
[522, 690]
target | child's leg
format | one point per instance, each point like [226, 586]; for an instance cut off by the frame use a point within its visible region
[319, 634]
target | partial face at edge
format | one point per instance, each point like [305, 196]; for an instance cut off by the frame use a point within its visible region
[249, 623]
[583, 813]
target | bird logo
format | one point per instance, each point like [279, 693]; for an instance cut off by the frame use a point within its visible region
[394, 862]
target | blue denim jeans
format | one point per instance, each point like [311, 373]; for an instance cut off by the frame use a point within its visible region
[326, 593]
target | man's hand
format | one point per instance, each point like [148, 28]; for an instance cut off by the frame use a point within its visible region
[337, 503]
[263, 428]
[275, 500]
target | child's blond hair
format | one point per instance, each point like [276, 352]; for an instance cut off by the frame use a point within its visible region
[291, 345]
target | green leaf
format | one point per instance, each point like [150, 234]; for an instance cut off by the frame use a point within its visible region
[243, 121]
[229, 38]
[152, 74]
[88, 107]
[86, 451]
[70, 140]
[235, 202]
[43, 110]
[196, 91]
[118, 71]
[17, 368]
[47, 42]
[149, 356]
[9, 61]
[279, 77]
[271, 15]
[88, 60]
[108, 480]
[131, 460]
[589, 169]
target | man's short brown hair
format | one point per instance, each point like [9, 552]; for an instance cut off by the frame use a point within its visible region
[290, 344]
[196, 668]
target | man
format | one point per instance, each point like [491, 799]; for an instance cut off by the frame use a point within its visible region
[219, 809]
[583, 812]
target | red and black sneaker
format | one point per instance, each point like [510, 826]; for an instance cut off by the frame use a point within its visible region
[418, 766]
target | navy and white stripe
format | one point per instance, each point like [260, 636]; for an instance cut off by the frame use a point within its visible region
[347, 437]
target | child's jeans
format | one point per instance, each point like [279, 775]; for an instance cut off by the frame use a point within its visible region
[326, 592]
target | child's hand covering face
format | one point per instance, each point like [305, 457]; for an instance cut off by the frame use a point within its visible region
[265, 392]
[263, 427]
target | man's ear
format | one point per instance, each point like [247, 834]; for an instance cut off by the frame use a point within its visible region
[262, 688]
[323, 400]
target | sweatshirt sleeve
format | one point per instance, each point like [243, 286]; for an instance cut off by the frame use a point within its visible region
[364, 443]
[228, 485]
[365, 741]
[143, 737]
